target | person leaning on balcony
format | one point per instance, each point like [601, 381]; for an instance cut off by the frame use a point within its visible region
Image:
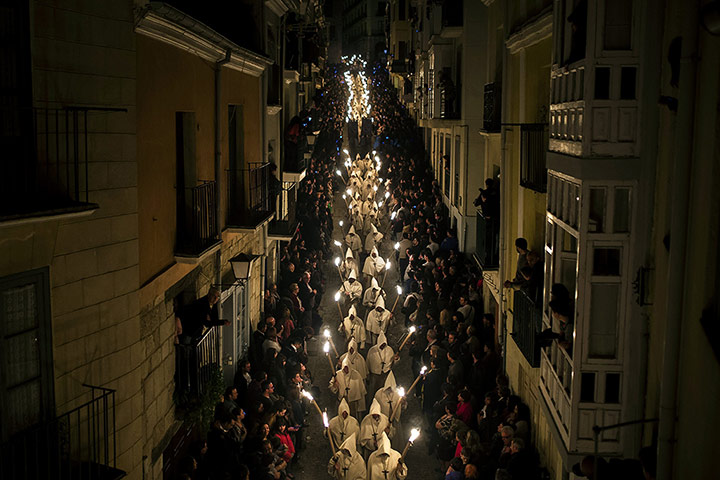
[562, 324]
[521, 247]
[200, 316]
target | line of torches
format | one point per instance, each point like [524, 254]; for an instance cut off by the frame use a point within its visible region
[414, 433]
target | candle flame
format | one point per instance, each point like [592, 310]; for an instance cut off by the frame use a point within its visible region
[337, 296]
[375, 187]
[423, 370]
[401, 392]
[326, 347]
[325, 420]
[349, 192]
[412, 329]
[414, 434]
[344, 197]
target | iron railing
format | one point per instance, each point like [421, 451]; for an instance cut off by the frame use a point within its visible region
[196, 226]
[533, 148]
[250, 199]
[487, 241]
[492, 107]
[196, 363]
[45, 164]
[78, 445]
[527, 324]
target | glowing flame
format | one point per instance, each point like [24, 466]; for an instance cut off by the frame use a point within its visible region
[377, 159]
[349, 192]
[423, 370]
[393, 215]
[387, 265]
[397, 246]
[337, 296]
[401, 392]
[387, 194]
[337, 244]
[344, 197]
[412, 329]
[325, 420]
[338, 173]
[399, 290]
[345, 151]
[414, 434]
[326, 347]
[307, 395]
[337, 261]
[341, 223]
[326, 333]
[375, 188]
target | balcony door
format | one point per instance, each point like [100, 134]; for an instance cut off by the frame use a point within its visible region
[236, 336]
[26, 371]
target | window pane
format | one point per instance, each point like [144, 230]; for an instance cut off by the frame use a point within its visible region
[618, 23]
[587, 387]
[602, 83]
[606, 262]
[596, 215]
[18, 309]
[612, 388]
[627, 83]
[21, 357]
[621, 213]
[603, 319]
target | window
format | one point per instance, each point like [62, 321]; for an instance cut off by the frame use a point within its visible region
[606, 262]
[596, 215]
[618, 24]
[185, 168]
[26, 387]
[621, 210]
[603, 320]
[401, 10]
[587, 387]
[533, 147]
[627, 83]
[602, 83]
[612, 388]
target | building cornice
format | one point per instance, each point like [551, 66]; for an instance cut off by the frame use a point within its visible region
[166, 24]
[532, 32]
[281, 7]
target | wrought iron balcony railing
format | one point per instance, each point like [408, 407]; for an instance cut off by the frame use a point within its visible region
[196, 362]
[78, 445]
[487, 241]
[196, 225]
[252, 195]
[527, 323]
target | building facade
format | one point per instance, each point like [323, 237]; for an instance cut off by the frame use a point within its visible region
[598, 124]
[142, 137]
[363, 30]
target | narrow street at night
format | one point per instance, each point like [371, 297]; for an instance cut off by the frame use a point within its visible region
[359, 239]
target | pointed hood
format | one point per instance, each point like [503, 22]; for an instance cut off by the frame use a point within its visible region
[375, 251]
[375, 408]
[374, 228]
[384, 444]
[349, 253]
[374, 284]
[352, 345]
[353, 274]
[343, 407]
[380, 302]
[345, 363]
[352, 311]
[349, 445]
[390, 381]
[381, 339]
[352, 230]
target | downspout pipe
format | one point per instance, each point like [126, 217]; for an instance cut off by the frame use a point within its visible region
[687, 19]
[218, 164]
[504, 178]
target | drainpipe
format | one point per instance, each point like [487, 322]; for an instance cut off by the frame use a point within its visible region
[504, 177]
[218, 167]
[687, 18]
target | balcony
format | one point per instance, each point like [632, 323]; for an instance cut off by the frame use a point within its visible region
[492, 107]
[251, 200]
[197, 234]
[487, 242]
[527, 322]
[533, 152]
[78, 445]
[285, 225]
[196, 363]
[399, 66]
[556, 380]
[45, 172]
